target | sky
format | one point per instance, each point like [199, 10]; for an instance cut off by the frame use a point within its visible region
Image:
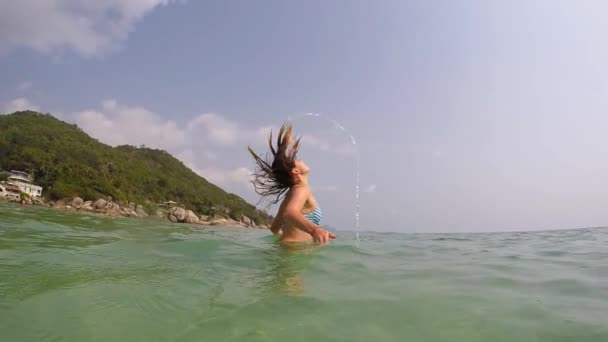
[467, 115]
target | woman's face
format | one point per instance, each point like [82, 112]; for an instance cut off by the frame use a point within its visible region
[301, 167]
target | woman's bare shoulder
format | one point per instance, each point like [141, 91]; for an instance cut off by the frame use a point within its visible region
[298, 190]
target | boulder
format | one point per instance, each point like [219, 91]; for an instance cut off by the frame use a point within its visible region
[204, 220]
[113, 209]
[87, 205]
[38, 201]
[161, 213]
[191, 217]
[77, 202]
[247, 221]
[139, 210]
[113, 213]
[179, 213]
[219, 221]
[100, 204]
[132, 206]
[60, 204]
[124, 211]
[172, 218]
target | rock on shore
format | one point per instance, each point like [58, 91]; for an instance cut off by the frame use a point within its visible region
[106, 206]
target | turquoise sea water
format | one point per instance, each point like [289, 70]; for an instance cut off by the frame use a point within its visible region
[72, 277]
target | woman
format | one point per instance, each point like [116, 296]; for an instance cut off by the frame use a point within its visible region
[286, 177]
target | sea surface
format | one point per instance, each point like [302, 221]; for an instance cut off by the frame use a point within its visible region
[74, 277]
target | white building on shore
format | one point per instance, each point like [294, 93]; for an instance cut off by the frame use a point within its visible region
[24, 182]
[9, 192]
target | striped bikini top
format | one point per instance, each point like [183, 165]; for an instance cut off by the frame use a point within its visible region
[315, 216]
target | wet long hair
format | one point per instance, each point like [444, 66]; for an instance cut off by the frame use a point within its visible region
[272, 175]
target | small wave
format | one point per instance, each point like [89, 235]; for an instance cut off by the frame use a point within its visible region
[451, 239]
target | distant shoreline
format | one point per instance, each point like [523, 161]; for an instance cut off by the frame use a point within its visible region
[110, 208]
[64, 162]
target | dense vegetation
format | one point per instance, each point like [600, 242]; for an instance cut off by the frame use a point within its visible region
[67, 162]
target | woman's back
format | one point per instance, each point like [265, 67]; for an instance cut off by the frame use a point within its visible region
[313, 213]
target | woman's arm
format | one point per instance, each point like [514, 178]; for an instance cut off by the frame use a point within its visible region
[277, 223]
[292, 212]
[275, 227]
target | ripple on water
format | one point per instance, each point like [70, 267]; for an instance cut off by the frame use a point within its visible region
[66, 277]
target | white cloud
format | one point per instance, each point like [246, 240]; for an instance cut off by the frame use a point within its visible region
[19, 104]
[315, 142]
[227, 177]
[210, 155]
[204, 135]
[117, 124]
[264, 132]
[370, 188]
[86, 27]
[341, 148]
[261, 134]
[219, 130]
[187, 157]
[24, 85]
[232, 179]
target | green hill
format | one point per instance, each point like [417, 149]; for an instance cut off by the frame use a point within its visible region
[67, 162]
